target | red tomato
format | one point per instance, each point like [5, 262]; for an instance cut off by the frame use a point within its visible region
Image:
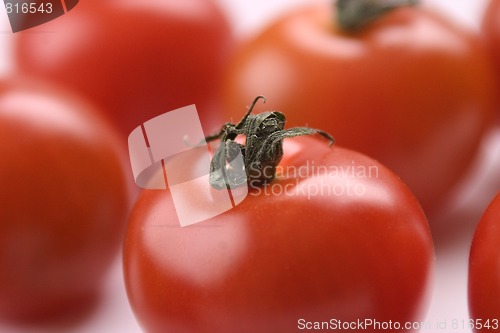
[64, 201]
[491, 29]
[484, 272]
[135, 59]
[411, 89]
[343, 244]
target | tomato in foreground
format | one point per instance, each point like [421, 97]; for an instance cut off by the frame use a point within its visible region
[64, 201]
[336, 236]
[484, 271]
[135, 59]
[410, 89]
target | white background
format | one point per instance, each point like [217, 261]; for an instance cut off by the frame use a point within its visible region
[457, 223]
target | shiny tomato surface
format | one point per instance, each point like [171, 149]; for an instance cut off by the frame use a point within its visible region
[64, 200]
[336, 236]
[411, 89]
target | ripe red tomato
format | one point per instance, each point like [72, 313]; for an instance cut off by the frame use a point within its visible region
[484, 271]
[135, 59]
[411, 89]
[346, 243]
[64, 201]
[491, 29]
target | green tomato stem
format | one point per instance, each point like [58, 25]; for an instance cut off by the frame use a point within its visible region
[352, 15]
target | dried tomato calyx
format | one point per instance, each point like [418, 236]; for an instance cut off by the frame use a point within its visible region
[352, 15]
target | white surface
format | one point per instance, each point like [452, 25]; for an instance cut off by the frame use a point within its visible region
[452, 238]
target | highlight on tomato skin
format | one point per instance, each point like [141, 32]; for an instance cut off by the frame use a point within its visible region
[411, 89]
[334, 236]
[64, 199]
[484, 271]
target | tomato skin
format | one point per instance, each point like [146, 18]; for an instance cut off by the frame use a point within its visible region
[491, 30]
[410, 90]
[135, 59]
[274, 259]
[484, 268]
[65, 201]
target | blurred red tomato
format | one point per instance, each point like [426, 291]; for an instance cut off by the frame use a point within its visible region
[136, 59]
[411, 89]
[491, 29]
[484, 271]
[64, 200]
[335, 236]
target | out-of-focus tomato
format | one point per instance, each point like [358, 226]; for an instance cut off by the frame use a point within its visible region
[484, 272]
[135, 59]
[336, 236]
[410, 89]
[64, 200]
[491, 29]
